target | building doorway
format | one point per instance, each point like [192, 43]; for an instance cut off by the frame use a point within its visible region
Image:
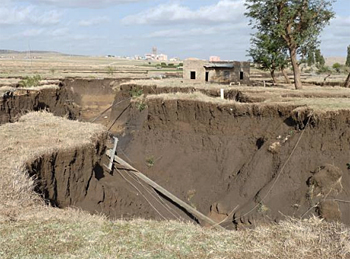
[241, 75]
[206, 76]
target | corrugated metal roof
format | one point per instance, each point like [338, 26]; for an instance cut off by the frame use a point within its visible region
[219, 65]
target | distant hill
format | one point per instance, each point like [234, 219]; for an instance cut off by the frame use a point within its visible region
[33, 52]
[332, 60]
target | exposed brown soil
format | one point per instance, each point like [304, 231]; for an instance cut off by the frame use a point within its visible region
[215, 156]
[79, 178]
[209, 154]
[18, 102]
[92, 95]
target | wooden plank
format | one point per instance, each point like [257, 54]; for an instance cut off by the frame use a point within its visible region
[159, 188]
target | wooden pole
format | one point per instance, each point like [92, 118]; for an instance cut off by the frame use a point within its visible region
[112, 155]
[159, 188]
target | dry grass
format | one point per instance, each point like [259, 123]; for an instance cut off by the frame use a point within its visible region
[34, 135]
[29, 229]
[61, 66]
[6, 89]
[176, 82]
[192, 96]
[84, 236]
[319, 99]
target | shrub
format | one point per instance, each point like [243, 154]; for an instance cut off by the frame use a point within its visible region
[150, 161]
[110, 70]
[337, 67]
[324, 69]
[141, 106]
[30, 81]
[136, 93]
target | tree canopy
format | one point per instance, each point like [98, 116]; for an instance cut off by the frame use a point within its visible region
[269, 53]
[297, 23]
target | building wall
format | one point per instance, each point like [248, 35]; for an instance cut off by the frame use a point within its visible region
[195, 66]
[216, 75]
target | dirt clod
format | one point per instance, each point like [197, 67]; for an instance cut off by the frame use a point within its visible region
[329, 210]
[326, 181]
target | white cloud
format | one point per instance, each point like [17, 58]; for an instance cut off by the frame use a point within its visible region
[59, 32]
[223, 12]
[94, 21]
[226, 29]
[336, 37]
[27, 15]
[341, 21]
[30, 33]
[79, 3]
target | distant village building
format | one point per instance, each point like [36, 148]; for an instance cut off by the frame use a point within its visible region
[162, 57]
[214, 59]
[223, 72]
[150, 56]
[156, 56]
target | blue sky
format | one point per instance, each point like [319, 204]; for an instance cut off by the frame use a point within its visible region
[191, 28]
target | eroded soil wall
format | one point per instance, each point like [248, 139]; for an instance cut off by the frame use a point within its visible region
[93, 96]
[268, 161]
[55, 100]
[265, 161]
[79, 178]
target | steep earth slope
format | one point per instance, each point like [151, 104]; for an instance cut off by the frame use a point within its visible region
[265, 161]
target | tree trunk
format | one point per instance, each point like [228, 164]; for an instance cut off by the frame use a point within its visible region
[285, 76]
[347, 82]
[273, 76]
[296, 69]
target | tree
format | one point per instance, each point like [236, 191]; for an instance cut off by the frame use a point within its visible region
[298, 23]
[320, 61]
[269, 53]
[337, 67]
[311, 58]
[348, 58]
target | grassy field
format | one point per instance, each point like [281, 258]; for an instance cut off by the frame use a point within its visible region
[61, 66]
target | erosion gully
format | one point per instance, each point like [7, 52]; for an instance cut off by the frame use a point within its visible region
[239, 163]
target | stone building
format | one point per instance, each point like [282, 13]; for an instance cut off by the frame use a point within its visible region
[222, 72]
